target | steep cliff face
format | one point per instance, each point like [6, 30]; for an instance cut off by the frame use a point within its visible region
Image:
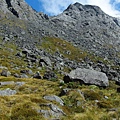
[20, 9]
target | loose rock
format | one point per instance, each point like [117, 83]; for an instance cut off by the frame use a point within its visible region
[54, 111]
[5, 73]
[54, 98]
[7, 92]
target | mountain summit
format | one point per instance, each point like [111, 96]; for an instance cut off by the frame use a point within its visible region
[89, 27]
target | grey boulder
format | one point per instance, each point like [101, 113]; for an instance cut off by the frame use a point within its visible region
[87, 76]
[54, 98]
[46, 61]
[5, 73]
[54, 111]
[7, 83]
[7, 92]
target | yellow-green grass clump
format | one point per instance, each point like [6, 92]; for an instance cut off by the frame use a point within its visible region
[52, 45]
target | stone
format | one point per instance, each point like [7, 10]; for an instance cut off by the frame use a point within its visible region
[6, 38]
[61, 83]
[23, 76]
[26, 51]
[5, 73]
[58, 66]
[46, 61]
[64, 91]
[87, 76]
[27, 72]
[7, 83]
[37, 75]
[7, 92]
[118, 89]
[3, 67]
[19, 83]
[54, 98]
[49, 75]
[54, 111]
[117, 83]
[19, 54]
[113, 75]
[78, 103]
[16, 75]
[46, 113]
[106, 97]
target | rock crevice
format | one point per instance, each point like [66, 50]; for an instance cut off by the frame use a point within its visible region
[10, 7]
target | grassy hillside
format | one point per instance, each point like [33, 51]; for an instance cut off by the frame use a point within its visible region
[23, 105]
[95, 103]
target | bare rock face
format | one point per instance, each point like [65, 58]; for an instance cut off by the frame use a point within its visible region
[20, 9]
[88, 27]
[87, 76]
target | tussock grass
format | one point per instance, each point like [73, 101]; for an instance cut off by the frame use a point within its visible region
[53, 45]
[11, 22]
[29, 96]
[24, 105]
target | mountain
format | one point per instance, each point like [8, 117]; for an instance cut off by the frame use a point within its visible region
[38, 51]
[89, 27]
[86, 26]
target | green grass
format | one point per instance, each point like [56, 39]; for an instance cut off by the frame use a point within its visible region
[26, 102]
[52, 45]
[29, 96]
[11, 22]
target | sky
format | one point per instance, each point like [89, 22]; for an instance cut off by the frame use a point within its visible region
[55, 7]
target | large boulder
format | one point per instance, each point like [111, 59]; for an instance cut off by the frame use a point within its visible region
[87, 76]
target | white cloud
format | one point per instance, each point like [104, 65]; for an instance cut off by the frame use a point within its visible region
[54, 7]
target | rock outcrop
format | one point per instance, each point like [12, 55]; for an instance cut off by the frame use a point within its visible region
[20, 9]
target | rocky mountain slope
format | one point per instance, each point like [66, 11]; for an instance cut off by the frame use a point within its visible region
[90, 28]
[60, 66]
[86, 26]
